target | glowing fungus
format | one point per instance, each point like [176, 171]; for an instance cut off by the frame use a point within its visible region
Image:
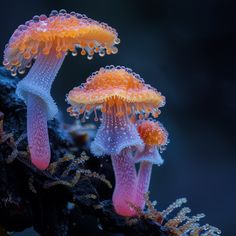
[46, 40]
[120, 94]
[155, 138]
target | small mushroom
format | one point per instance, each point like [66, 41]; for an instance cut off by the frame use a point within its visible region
[155, 138]
[47, 41]
[120, 94]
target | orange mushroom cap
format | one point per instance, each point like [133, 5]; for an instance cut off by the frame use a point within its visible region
[115, 86]
[153, 133]
[62, 32]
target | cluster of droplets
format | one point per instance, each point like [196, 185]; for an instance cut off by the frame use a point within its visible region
[83, 112]
[98, 93]
[134, 111]
[138, 80]
[42, 34]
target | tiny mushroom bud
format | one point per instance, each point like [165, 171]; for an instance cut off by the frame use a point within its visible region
[47, 40]
[155, 138]
[120, 94]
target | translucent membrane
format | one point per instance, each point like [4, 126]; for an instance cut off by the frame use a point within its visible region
[115, 133]
[150, 154]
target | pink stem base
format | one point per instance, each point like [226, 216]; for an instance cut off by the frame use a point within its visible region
[37, 132]
[144, 176]
[126, 178]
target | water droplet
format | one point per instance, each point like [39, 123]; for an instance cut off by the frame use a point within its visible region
[21, 71]
[5, 62]
[117, 41]
[36, 18]
[89, 57]
[13, 73]
[28, 65]
[42, 17]
[102, 53]
[74, 53]
[114, 50]
[63, 11]
[53, 13]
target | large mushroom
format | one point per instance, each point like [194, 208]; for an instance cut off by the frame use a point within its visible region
[120, 94]
[47, 41]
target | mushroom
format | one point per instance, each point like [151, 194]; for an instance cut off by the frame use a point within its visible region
[47, 41]
[155, 138]
[120, 94]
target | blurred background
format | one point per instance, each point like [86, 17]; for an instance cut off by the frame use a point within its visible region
[186, 49]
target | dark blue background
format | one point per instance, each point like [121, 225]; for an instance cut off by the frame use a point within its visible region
[186, 49]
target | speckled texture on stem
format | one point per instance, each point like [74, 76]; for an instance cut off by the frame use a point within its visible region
[148, 157]
[39, 81]
[143, 182]
[125, 183]
[38, 132]
[115, 134]
[35, 90]
[118, 137]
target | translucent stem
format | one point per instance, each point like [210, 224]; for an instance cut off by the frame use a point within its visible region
[115, 134]
[144, 176]
[37, 132]
[35, 90]
[125, 186]
[44, 70]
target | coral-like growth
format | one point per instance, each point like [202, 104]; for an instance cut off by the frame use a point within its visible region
[180, 224]
[75, 165]
[60, 32]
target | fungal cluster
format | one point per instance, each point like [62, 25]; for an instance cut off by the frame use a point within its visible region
[128, 107]
[125, 133]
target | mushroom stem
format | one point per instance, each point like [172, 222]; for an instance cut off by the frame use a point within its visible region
[143, 182]
[35, 90]
[118, 137]
[115, 134]
[37, 131]
[149, 156]
[125, 183]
